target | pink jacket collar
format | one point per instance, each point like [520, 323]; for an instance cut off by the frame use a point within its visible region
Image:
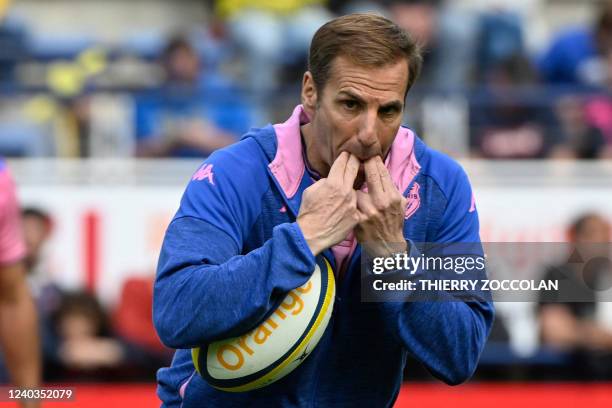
[288, 165]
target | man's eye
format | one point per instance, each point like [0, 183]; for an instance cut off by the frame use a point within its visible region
[388, 111]
[350, 104]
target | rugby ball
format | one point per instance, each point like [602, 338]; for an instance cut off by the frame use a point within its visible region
[276, 346]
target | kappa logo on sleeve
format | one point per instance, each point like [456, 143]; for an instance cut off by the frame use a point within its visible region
[414, 201]
[204, 172]
[473, 205]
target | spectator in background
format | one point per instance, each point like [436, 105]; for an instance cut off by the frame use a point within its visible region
[18, 332]
[579, 138]
[37, 229]
[189, 116]
[508, 122]
[447, 36]
[86, 348]
[568, 316]
[271, 34]
[500, 41]
[84, 345]
[575, 55]
[598, 109]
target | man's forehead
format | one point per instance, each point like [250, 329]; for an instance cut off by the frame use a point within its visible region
[348, 77]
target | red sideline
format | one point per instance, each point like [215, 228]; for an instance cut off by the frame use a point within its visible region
[413, 395]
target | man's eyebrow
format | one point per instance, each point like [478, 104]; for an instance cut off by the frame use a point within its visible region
[397, 105]
[393, 104]
[351, 95]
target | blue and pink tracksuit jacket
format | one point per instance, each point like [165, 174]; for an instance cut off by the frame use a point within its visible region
[234, 249]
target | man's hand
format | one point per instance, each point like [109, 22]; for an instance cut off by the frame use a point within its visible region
[329, 207]
[91, 353]
[382, 210]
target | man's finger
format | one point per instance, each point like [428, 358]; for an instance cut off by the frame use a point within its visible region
[365, 205]
[375, 185]
[336, 172]
[351, 171]
[385, 177]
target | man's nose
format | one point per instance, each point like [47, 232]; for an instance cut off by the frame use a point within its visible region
[367, 135]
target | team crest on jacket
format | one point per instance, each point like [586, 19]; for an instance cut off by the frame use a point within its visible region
[414, 201]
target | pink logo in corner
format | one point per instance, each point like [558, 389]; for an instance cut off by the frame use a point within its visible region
[204, 172]
[414, 201]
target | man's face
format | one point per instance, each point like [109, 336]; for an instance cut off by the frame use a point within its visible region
[593, 238]
[358, 111]
[183, 65]
[35, 233]
[594, 230]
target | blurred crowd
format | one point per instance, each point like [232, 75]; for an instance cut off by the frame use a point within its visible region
[187, 92]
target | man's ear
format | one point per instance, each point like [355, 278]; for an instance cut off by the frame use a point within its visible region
[309, 94]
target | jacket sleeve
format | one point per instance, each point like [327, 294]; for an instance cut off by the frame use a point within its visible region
[205, 288]
[448, 336]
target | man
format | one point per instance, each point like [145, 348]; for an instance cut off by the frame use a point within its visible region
[271, 35]
[568, 317]
[576, 56]
[256, 214]
[37, 230]
[18, 325]
[190, 115]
